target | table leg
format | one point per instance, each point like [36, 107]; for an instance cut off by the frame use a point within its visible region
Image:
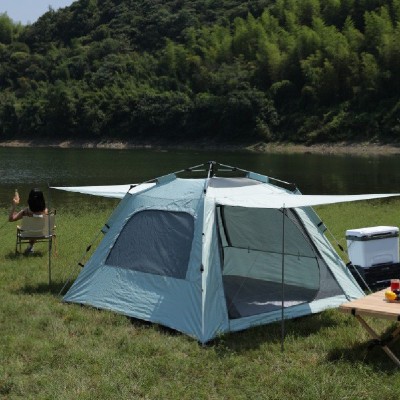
[374, 335]
[395, 335]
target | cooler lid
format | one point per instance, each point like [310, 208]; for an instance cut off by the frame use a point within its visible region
[373, 231]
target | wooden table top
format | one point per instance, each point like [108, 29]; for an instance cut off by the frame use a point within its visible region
[374, 305]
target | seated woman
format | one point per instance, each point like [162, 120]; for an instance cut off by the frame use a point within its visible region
[36, 207]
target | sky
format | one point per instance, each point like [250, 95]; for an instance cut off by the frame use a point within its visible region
[28, 11]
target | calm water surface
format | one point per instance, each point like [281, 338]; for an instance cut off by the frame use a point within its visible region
[24, 168]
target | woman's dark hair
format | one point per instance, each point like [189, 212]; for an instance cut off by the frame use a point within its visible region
[36, 201]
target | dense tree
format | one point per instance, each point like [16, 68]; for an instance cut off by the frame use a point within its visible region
[6, 29]
[300, 70]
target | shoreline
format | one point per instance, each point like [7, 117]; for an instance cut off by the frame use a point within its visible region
[342, 148]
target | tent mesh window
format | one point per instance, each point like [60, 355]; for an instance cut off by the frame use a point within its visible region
[156, 242]
[251, 248]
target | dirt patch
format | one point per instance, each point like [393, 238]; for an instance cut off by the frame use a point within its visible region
[342, 148]
[337, 148]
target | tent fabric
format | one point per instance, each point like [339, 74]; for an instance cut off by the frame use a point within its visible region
[204, 256]
[223, 193]
[259, 198]
[112, 191]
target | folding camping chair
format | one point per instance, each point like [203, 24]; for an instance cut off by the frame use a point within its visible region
[39, 228]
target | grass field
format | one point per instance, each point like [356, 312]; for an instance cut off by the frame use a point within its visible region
[52, 350]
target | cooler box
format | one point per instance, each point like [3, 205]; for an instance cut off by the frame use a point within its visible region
[376, 277]
[372, 246]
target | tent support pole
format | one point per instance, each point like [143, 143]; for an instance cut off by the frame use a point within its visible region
[283, 280]
[50, 241]
[50, 263]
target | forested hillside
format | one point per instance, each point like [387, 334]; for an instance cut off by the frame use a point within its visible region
[227, 70]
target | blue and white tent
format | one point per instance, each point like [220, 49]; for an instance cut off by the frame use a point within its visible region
[206, 256]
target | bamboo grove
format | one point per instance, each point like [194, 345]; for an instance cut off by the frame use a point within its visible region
[223, 70]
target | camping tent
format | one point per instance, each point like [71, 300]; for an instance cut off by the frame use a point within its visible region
[212, 255]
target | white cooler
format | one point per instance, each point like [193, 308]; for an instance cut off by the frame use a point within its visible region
[373, 246]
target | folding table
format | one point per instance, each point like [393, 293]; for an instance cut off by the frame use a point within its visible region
[375, 305]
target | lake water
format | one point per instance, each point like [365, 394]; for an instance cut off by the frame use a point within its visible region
[24, 168]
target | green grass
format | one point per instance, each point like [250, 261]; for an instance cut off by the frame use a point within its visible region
[52, 350]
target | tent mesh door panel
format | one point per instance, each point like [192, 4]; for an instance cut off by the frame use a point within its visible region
[252, 261]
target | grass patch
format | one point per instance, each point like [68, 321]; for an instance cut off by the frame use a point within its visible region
[53, 350]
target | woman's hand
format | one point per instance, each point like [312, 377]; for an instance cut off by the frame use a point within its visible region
[15, 200]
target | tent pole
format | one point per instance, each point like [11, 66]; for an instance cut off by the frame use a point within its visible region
[50, 263]
[48, 231]
[283, 280]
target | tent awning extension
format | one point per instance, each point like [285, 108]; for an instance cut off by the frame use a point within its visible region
[256, 195]
[253, 198]
[111, 191]
[286, 200]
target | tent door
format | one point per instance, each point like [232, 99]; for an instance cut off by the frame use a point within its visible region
[251, 258]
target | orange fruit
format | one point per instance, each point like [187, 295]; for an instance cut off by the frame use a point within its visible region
[391, 296]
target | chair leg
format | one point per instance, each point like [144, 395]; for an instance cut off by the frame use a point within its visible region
[16, 246]
[50, 249]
